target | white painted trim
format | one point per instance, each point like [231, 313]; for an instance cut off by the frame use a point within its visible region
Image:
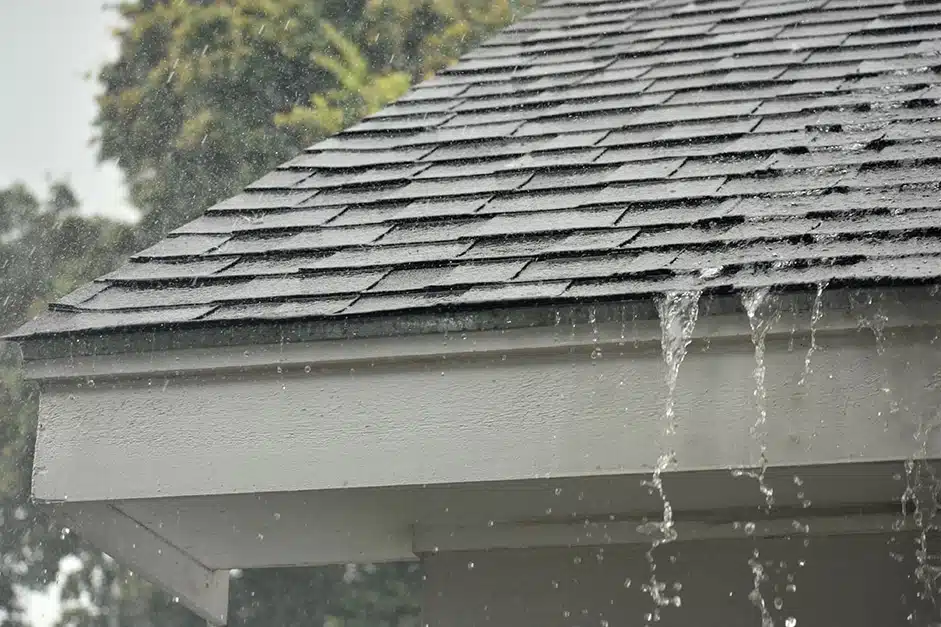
[895, 304]
[434, 539]
[490, 416]
[199, 588]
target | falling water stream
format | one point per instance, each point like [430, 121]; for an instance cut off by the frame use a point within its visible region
[763, 310]
[678, 313]
[815, 315]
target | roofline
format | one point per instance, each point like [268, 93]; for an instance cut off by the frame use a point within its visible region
[250, 334]
[533, 328]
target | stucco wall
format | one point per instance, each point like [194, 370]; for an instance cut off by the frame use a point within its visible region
[848, 580]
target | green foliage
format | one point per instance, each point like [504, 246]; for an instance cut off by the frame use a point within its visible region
[46, 250]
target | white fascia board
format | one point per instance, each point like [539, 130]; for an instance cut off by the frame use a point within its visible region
[203, 590]
[486, 407]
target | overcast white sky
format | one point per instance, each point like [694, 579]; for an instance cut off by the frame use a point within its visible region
[47, 103]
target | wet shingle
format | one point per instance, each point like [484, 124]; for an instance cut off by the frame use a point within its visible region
[469, 273]
[182, 246]
[160, 271]
[307, 308]
[567, 220]
[326, 238]
[367, 257]
[262, 200]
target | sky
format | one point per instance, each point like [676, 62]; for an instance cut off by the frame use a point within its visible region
[50, 49]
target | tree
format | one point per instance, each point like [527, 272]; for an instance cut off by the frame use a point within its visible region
[46, 249]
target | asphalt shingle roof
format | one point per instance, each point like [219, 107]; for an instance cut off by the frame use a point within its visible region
[594, 149]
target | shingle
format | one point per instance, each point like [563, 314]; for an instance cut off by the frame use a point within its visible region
[404, 122]
[690, 188]
[182, 246]
[440, 207]
[708, 129]
[437, 231]
[569, 177]
[796, 181]
[161, 271]
[541, 201]
[721, 166]
[893, 174]
[148, 296]
[55, 322]
[390, 255]
[278, 179]
[644, 170]
[542, 221]
[367, 214]
[309, 285]
[468, 273]
[512, 292]
[326, 179]
[357, 158]
[555, 158]
[77, 297]
[249, 267]
[599, 266]
[484, 150]
[262, 200]
[600, 239]
[372, 303]
[677, 212]
[324, 238]
[268, 220]
[459, 186]
[353, 195]
[308, 308]
[681, 113]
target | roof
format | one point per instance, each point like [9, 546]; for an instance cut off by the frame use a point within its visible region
[593, 150]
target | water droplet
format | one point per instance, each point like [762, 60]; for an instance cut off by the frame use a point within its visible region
[277, 515]
[790, 621]
[627, 582]
[307, 369]
[470, 565]
[749, 528]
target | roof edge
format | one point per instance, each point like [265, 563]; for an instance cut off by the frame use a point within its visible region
[324, 343]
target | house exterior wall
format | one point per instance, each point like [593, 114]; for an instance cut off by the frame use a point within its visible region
[845, 581]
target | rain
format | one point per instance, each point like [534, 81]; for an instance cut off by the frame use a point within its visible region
[420, 313]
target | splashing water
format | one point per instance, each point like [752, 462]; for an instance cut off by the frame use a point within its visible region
[755, 596]
[922, 499]
[815, 315]
[762, 309]
[678, 313]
